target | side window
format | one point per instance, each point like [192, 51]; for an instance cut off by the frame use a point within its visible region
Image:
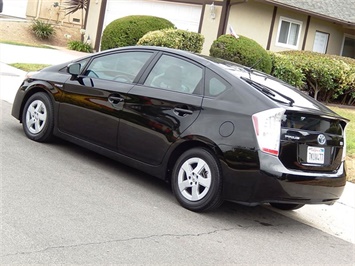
[122, 67]
[175, 74]
[215, 85]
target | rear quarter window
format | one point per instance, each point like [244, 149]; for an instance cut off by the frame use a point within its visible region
[215, 84]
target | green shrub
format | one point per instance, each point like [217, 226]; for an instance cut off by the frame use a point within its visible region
[128, 30]
[42, 30]
[328, 78]
[79, 46]
[284, 69]
[174, 38]
[242, 50]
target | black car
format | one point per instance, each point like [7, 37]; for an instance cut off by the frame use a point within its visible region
[214, 129]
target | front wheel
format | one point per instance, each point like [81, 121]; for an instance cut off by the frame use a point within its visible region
[197, 180]
[37, 117]
[286, 206]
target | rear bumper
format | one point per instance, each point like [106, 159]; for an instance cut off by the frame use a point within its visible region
[275, 183]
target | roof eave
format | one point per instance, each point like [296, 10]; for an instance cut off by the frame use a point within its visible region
[335, 20]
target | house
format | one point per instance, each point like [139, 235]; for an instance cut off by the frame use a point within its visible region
[324, 26]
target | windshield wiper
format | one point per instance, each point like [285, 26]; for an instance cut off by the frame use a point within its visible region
[268, 91]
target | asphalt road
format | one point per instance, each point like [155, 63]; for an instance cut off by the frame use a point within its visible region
[62, 204]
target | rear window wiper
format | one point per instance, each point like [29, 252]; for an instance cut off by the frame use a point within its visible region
[268, 91]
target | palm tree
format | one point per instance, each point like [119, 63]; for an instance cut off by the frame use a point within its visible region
[75, 5]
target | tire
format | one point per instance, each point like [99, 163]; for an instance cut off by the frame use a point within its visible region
[286, 206]
[197, 180]
[37, 118]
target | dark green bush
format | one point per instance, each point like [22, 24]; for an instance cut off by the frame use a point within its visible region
[174, 38]
[128, 30]
[42, 30]
[242, 50]
[79, 46]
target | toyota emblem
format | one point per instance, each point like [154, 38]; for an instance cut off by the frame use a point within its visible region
[321, 139]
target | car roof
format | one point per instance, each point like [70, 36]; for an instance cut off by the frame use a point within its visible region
[197, 57]
[229, 69]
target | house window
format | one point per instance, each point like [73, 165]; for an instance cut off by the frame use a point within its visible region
[289, 33]
[349, 46]
[320, 42]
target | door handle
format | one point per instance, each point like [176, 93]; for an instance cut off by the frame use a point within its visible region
[182, 111]
[115, 99]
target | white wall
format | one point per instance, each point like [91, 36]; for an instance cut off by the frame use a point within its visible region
[15, 8]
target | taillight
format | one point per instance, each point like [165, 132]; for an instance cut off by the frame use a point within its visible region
[344, 147]
[267, 125]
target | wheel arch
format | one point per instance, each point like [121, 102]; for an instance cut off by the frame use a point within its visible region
[197, 142]
[33, 90]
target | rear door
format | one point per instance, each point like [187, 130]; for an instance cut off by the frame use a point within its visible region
[92, 103]
[158, 111]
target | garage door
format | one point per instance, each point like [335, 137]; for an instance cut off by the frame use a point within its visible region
[184, 16]
[15, 8]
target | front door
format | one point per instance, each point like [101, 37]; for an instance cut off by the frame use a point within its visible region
[92, 103]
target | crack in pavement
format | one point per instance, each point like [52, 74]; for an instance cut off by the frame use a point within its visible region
[121, 240]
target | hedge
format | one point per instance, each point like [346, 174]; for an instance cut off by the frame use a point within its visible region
[128, 30]
[284, 69]
[242, 50]
[327, 78]
[174, 38]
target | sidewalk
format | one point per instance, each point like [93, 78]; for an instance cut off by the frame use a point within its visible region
[337, 220]
[10, 54]
[11, 78]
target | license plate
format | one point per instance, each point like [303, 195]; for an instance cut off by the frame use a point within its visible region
[315, 155]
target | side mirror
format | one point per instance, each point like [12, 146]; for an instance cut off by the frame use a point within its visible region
[74, 69]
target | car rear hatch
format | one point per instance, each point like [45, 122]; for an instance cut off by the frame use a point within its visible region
[312, 142]
[312, 136]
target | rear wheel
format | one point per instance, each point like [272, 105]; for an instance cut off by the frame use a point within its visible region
[37, 117]
[197, 180]
[286, 206]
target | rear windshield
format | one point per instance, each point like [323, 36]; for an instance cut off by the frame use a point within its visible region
[311, 123]
[298, 97]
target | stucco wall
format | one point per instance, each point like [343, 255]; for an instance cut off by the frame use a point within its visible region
[335, 35]
[45, 10]
[93, 21]
[210, 27]
[251, 20]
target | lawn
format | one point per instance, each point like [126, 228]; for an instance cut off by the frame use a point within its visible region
[348, 113]
[29, 67]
